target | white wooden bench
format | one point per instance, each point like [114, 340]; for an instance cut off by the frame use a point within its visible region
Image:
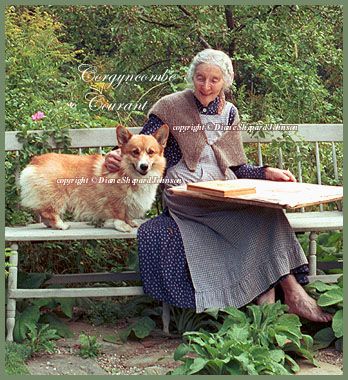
[313, 222]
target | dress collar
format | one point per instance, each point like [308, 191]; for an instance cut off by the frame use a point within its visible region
[211, 109]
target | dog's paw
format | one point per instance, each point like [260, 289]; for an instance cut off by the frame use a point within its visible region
[133, 223]
[62, 226]
[122, 226]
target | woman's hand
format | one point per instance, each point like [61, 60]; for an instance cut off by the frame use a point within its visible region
[113, 160]
[275, 174]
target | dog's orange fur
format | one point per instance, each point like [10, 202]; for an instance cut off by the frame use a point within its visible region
[121, 202]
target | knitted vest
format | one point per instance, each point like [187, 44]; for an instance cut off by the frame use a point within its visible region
[180, 109]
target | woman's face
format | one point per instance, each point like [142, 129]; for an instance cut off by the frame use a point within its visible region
[208, 82]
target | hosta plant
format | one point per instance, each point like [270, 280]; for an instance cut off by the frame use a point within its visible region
[329, 297]
[258, 342]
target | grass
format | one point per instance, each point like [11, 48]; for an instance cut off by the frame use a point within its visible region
[15, 356]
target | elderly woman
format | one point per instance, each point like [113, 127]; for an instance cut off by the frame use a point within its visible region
[209, 254]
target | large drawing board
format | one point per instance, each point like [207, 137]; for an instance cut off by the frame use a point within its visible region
[276, 194]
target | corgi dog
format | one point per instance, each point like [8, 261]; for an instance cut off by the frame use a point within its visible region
[54, 183]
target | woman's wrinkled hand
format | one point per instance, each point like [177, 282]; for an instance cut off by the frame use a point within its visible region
[113, 160]
[275, 174]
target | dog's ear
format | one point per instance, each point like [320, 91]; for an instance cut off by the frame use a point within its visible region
[123, 135]
[161, 135]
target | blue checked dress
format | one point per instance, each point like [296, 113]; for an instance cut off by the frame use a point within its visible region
[163, 264]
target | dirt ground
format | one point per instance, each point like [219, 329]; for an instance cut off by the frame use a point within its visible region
[152, 355]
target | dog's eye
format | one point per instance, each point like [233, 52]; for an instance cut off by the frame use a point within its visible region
[150, 151]
[135, 152]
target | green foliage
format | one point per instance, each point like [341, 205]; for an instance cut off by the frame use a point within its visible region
[34, 58]
[89, 347]
[329, 245]
[141, 328]
[329, 296]
[188, 320]
[288, 59]
[41, 338]
[258, 342]
[108, 312]
[15, 357]
[30, 314]
[8, 252]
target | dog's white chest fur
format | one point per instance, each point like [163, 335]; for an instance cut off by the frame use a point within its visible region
[140, 201]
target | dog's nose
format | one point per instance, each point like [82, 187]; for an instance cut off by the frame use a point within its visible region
[144, 167]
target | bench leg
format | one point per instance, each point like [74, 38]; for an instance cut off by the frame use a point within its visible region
[11, 285]
[166, 317]
[312, 254]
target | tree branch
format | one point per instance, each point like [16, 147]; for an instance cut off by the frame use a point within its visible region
[153, 64]
[200, 37]
[230, 25]
[171, 25]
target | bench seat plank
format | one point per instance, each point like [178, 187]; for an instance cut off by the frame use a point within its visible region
[301, 222]
[316, 221]
[77, 231]
[76, 292]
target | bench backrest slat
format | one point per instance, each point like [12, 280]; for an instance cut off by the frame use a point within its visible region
[280, 158]
[299, 169]
[259, 154]
[106, 137]
[334, 160]
[317, 160]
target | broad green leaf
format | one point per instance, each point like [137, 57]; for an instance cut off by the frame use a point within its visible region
[212, 312]
[143, 327]
[246, 363]
[197, 365]
[337, 324]
[293, 365]
[278, 369]
[277, 355]
[281, 339]
[340, 282]
[237, 315]
[200, 351]
[184, 368]
[256, 313]
[339, 344]
[181, 351]
[30, 316]
[67, 305]
[213, 352]
[289, 320]
[234, 369]
[239, 334]
[124, 334]
[321, 286]
[57, 324]
[332, 297]
[307, 341]
[323, 338]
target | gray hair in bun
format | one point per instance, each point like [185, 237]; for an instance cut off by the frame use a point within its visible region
[213, 57]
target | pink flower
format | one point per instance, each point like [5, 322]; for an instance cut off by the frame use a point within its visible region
[38, 115]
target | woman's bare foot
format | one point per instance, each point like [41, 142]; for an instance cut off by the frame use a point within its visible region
[301, 303]
[268, 297]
